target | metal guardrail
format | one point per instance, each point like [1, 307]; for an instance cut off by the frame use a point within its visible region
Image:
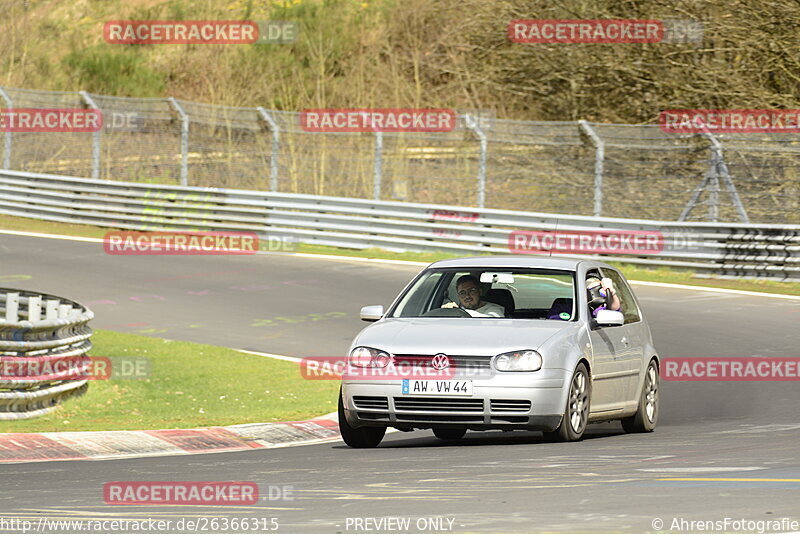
[43, 344]
[729, 249]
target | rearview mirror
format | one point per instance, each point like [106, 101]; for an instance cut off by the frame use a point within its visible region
[371, 313]
[497, 278]
[609, 318]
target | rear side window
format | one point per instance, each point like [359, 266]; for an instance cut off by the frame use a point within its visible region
[629, 308]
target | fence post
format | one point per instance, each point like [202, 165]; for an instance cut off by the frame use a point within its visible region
[713, 197]
[7, 144]
[87, 100]
[599, 158]
[722, 171]
[473, 125]
[378, 166]
[717, 169]
[272, 126]
[184, 118]
[687, 210]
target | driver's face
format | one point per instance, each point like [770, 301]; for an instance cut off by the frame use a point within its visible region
[591, 288]
[470, 295]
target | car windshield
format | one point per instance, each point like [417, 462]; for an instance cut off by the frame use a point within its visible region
[544, 294]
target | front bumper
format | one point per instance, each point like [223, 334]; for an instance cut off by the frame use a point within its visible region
[504, 402]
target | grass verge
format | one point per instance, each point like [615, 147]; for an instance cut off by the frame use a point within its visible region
[632, 272]
[188, 385]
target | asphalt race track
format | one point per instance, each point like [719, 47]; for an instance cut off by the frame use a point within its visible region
[720, 450]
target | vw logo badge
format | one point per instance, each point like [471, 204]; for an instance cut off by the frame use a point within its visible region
[440, 362]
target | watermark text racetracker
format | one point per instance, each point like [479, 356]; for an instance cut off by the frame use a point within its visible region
[630, 31]
[61, 120]
[45, 368]
[684, 121]
[378, 120]
[614, 242]
[390, 367]
[192, 243]
[585, 31]
[199, 32]
[194, 493]
[731, 369]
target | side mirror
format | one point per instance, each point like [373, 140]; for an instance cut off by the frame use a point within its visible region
[609, 318]
[372, 313]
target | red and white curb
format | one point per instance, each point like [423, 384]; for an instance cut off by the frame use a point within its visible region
[104, 445]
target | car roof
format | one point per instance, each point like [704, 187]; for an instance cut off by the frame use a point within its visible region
[529, 261]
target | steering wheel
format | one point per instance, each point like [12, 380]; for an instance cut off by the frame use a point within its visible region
[446, 312]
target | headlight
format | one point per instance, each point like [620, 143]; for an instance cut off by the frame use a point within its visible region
[367, 357]
[521, 360]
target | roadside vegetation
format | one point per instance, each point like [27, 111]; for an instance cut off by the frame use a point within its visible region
[186, 385]
[452, 53]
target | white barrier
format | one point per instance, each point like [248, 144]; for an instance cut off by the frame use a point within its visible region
[729, 249]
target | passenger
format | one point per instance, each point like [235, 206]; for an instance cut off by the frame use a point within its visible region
[602, 295]
[469, 293]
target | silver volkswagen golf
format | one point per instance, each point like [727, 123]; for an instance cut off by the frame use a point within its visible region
[511, 343]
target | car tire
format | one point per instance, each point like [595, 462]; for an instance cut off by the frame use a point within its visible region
[449, 434]
[646, 416]
[366, 437]
[576, 412]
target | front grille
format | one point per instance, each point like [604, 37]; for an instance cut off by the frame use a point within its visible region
[457, 362]
[510, 419]
[371, 403]
[373, 416]
[510, 405]
[435, 404]
[435, 418]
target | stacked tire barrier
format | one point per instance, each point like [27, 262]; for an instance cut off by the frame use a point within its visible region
[43, 344]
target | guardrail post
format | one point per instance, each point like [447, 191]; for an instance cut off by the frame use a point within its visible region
[87, 100]
[378, 166]
[599, 158]
[272, 126]
[7, 144]
[473, 125]
[184, 118]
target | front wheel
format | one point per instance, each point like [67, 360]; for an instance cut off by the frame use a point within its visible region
[646, 416]
[576, 412]
[359, 438]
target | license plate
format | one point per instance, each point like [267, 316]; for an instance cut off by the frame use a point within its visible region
[437, 387]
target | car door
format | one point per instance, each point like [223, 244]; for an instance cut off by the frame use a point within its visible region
[631, 355]
[610, 367]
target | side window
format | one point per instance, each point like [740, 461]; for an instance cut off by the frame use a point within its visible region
[629, 309]
[595, 274]
[415, 303]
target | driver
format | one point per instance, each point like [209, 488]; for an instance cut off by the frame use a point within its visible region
[602, 295]
[469, 293]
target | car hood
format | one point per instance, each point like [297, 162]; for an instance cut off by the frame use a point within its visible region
[458, 336]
